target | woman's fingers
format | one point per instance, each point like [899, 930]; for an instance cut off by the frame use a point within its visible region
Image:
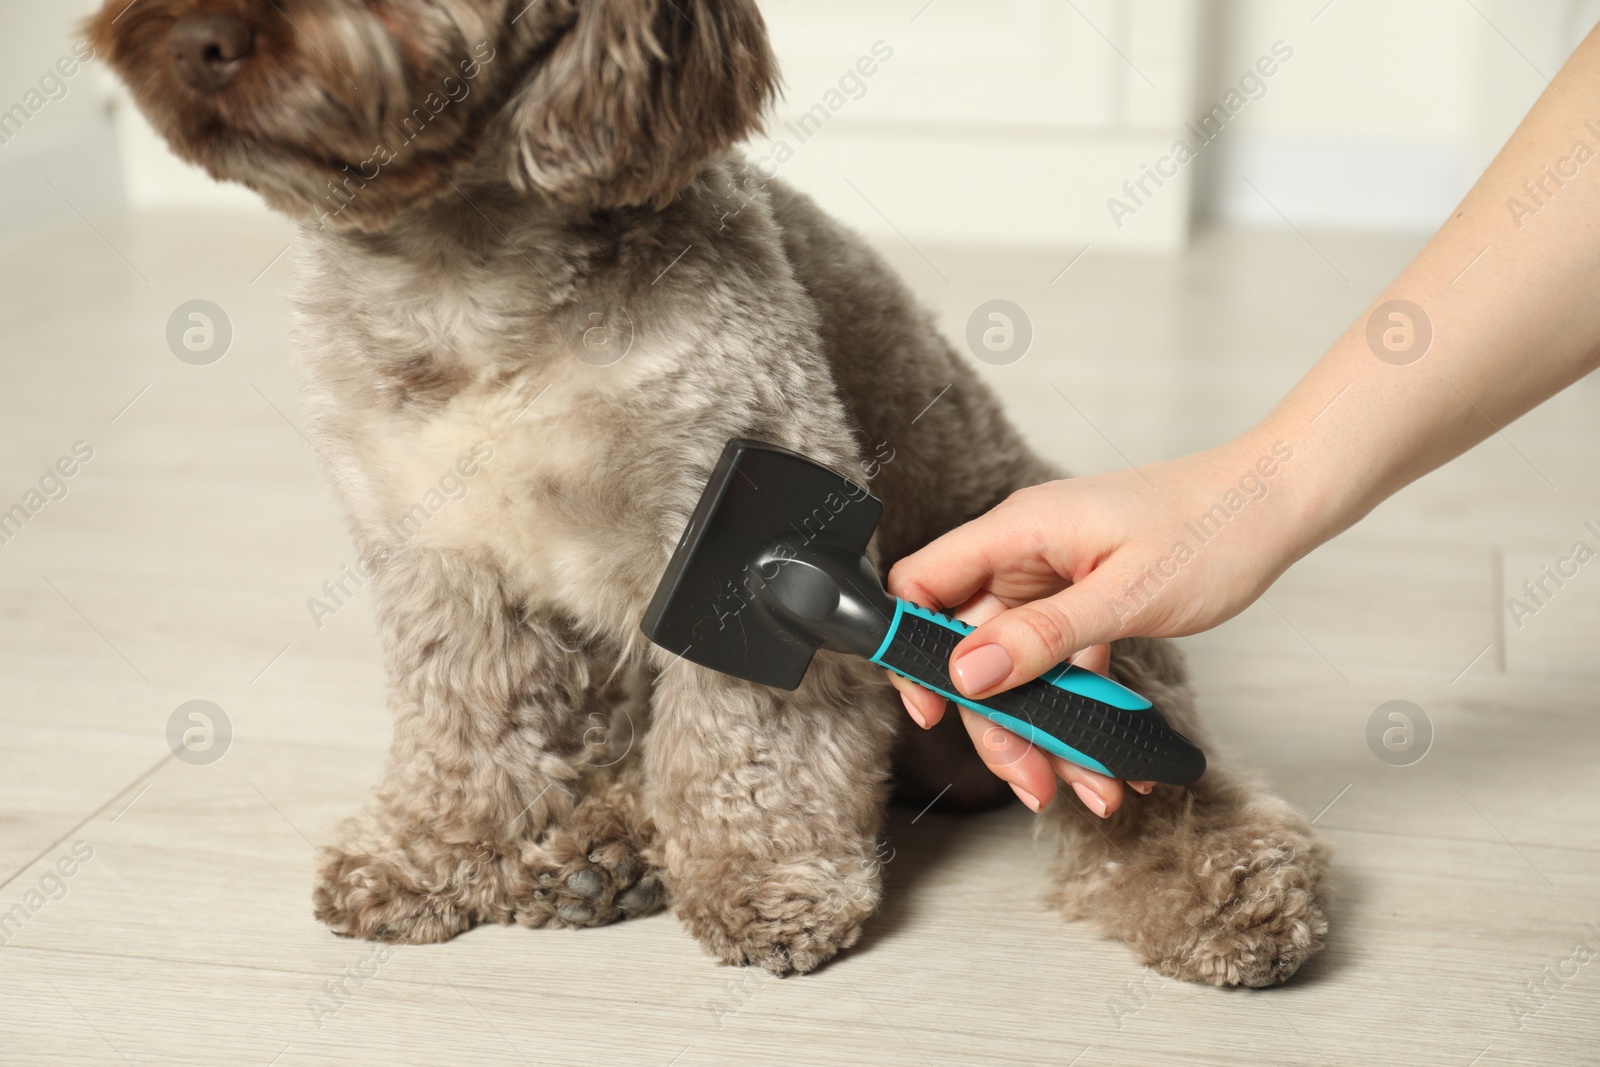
[1029, 770]
[1025, 767]
[1028, 640]
[1099, 794]
[954, 569]
[1095, 658]
[946, 571]
[925, 708]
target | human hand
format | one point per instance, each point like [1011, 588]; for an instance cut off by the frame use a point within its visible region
[1063, 568]
[1029, 770]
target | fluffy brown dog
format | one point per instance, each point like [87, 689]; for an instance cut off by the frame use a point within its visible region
[532, 269]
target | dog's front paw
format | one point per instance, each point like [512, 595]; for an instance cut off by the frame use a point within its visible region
[581, 882]
[1253, 913]
[785, 917]
[364, 896]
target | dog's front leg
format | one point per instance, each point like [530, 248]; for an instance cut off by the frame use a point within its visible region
[486, 753]
[767, 806]
[1218, 882]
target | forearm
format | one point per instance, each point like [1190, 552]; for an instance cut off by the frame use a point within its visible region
[1510, 287]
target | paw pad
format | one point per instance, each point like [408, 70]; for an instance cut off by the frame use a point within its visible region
[591, 887]
[641, 898]
[587, 884]
[580, 914]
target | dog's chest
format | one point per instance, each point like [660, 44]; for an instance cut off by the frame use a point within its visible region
[477, 411]
[517, 468]
[484, 434]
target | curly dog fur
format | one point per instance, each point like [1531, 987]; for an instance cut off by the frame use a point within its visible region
[538, 289]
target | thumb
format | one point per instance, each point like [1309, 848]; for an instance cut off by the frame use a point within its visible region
[1020, 644]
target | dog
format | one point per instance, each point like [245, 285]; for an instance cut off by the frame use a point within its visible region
[534, 265]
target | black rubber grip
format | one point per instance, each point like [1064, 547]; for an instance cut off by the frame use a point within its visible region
[1133, 745]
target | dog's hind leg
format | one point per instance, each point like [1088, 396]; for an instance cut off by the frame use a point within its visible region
[1218, 882]
[767, 806]
[487, 754]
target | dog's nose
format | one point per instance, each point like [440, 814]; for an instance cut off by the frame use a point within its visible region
[209, 49]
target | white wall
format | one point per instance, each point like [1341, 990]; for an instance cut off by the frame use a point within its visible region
[1390, 111]
[1007, 121]
[33, 36]
[995, 121]
[57, 149]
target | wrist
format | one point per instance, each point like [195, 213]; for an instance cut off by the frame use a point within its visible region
[1275, 470]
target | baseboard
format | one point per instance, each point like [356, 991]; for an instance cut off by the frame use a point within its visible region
[1369, 185]
[50, 175]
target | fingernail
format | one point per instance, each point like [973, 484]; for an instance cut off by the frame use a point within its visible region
[1027, 798]
[984, 666]
[1090, 798]
[911, 710]
[1143, 788]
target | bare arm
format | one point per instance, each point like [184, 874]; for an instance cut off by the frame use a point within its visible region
[1511, 286]
[1503, 312]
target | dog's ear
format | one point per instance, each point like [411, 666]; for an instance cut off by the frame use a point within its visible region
[627, 104]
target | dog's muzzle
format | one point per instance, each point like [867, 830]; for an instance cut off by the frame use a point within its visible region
[209, 49]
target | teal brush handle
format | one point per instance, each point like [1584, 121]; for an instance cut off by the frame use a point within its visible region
[1076, 714]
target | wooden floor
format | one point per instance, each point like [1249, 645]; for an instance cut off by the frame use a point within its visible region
[179, 564]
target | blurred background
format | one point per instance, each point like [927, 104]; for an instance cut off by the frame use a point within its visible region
[1004, 121]
[1017, 150]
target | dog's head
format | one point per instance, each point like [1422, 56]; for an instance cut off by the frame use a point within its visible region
[352, 111]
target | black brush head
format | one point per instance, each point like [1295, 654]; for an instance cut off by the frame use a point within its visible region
[706, 608]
